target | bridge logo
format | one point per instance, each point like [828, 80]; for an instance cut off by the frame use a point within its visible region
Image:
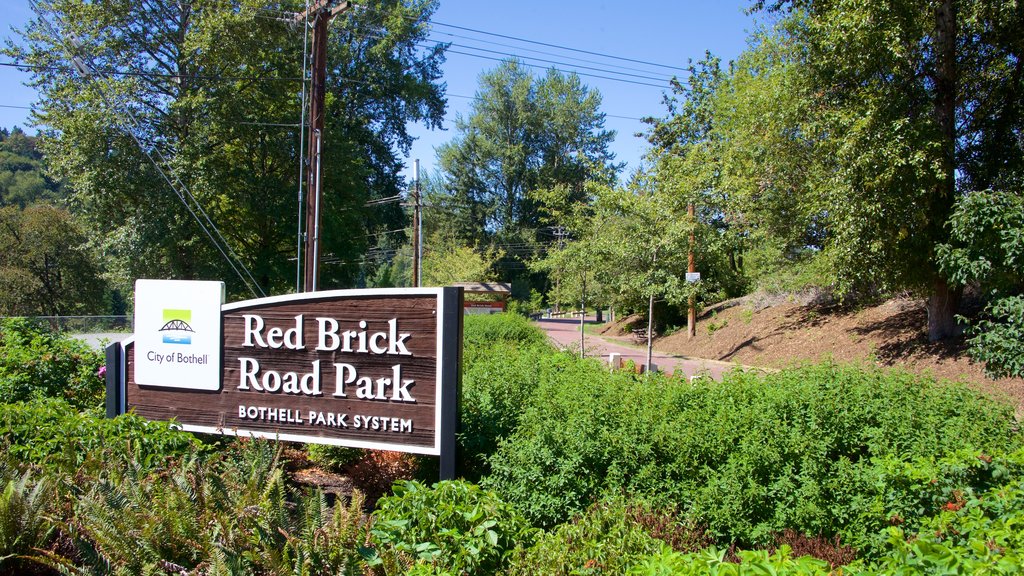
[176, 329]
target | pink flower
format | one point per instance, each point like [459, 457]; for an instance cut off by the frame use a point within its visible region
[102, 372]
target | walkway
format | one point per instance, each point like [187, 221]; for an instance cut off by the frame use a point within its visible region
[565, 332]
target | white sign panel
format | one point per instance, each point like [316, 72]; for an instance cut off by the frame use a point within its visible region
[178, 333]
[692, 276]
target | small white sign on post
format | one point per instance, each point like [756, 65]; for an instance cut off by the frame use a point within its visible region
[693, 276]
[178, 333]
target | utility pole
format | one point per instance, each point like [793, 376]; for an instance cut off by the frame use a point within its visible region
[691, 267]
[319, 15]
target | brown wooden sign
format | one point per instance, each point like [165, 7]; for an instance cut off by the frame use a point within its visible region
[362, 368]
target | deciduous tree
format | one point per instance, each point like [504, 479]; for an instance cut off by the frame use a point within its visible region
[206, 94]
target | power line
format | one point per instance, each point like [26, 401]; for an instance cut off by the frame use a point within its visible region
[157, 74]
[604, 70]
[633, 82]
[477, 98]
[543, 52]
[560, 47]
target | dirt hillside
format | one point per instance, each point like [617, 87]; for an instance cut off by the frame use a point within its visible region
[776, 332]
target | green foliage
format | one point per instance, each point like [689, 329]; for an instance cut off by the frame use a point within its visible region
[23, 181]
[46, 268]
[452, 527]
[713, 325]
[446, 261]
[23, 523]
[50, 433]
[608, 538]
[231, 513]
[332, 457]
[987, 247]
[973, 532]
[713, 561]
[219, 135]
[497, 388]
[998, 339]
[817, 449]
[35, 363]
[523, 134]
[482, 331]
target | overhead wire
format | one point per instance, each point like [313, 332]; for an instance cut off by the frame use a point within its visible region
[561, 47]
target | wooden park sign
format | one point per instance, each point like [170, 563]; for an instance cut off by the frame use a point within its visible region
[372, 369]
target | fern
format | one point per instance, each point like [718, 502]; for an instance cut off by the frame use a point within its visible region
[23, 523]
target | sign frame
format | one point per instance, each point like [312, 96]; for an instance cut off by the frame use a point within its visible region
[448, 350]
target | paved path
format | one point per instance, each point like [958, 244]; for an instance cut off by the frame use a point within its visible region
[565, 332]
[98, 339]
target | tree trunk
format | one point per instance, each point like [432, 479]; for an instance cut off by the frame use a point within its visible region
[944, 301]
[942, 307]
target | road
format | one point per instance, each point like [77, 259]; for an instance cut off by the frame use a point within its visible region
[565, 333]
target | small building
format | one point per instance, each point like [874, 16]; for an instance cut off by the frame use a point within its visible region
[485, 297]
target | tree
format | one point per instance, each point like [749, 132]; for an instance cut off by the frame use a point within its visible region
[915, 103]
[45, 267]
[523, 134]
[201, 94]
[642, 242]
[22, 177]
[447, 261]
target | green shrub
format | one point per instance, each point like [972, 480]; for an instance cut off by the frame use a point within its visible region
[482, 331]
[986, 242]
[451, 527]
[816, 449]
[998, 339]
[973, 532]
[497, 388]
[36, 363]
[499, 374]
[713, 561]
[51, 433]
[333, 457]
[608, 538]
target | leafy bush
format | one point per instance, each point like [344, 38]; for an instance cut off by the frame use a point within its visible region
[497, 388]
[821, 449]
[713, 561]
[35, 363]
[482, 331]
[333, 457]
[451, 527]
[998, 339]
[52, 434]
[986, 247]
[499, 373]
[608, 538]
[981, 532]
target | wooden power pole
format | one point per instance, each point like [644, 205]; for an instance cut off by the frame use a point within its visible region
[319, 15]
[417, 233]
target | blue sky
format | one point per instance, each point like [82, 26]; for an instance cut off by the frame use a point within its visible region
[609, 39]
